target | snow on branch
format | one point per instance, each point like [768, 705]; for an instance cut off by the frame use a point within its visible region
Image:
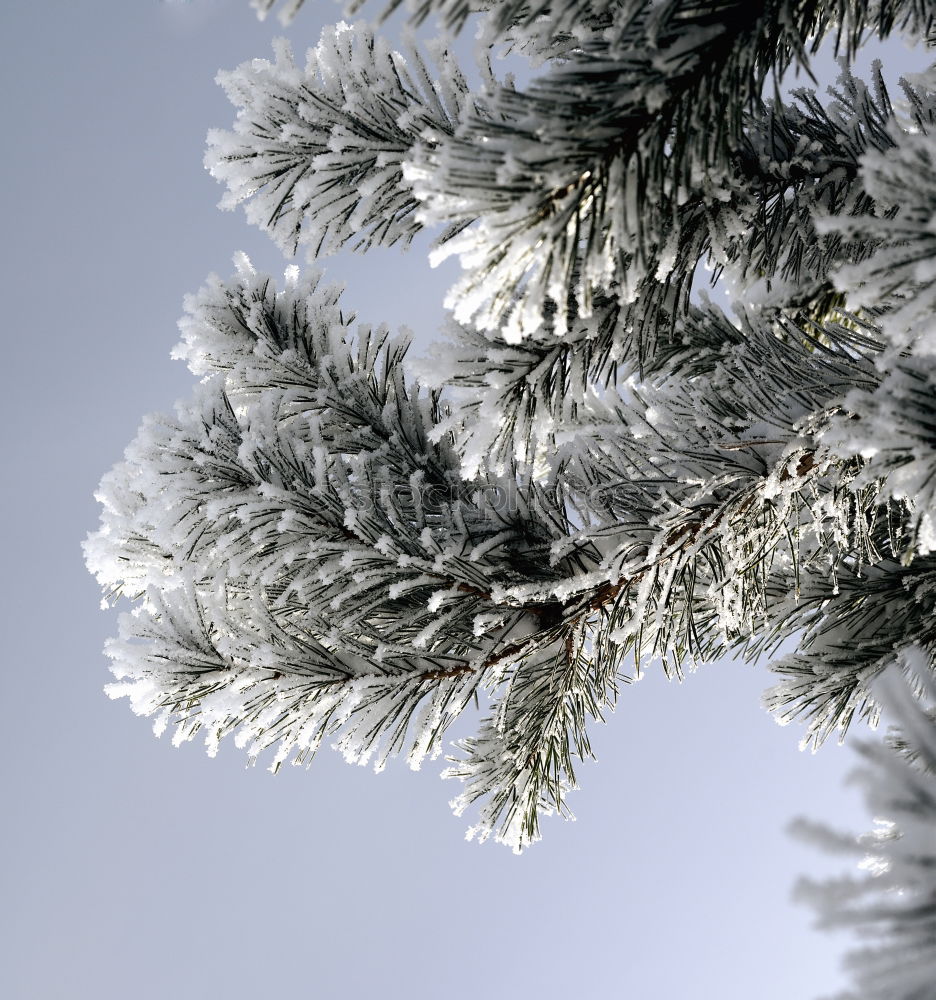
[891, 906]
[804, 160]
[598, 469]
[305, 561]
[315, 155]
[309, 560]
[578, 184]
[526, 749]
[898, 275]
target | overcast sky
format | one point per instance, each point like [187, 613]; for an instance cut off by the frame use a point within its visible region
[135, 870]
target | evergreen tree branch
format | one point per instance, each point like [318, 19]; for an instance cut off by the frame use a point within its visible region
[589, 160]
[891, 906]
[316, 154]
[319, 548]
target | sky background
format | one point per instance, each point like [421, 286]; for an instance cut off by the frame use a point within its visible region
[132, 869]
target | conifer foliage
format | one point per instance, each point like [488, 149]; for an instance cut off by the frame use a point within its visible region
[599, 469]
[892, 905]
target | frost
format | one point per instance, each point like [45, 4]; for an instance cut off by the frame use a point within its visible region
[301, 157]
[599, 472]
[890, 905]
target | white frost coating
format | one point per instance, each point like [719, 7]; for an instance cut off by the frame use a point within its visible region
[613, 474]
[901, 272]
[287, 589]
[890, 905]
[890, 427]
[301, 157]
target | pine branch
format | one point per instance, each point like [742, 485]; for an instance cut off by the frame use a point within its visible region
[895, 277]
[525, 750]
[589, 161]
[276, 597]
[316, 154]
[803, 160]
[319, 548]
[892, 905]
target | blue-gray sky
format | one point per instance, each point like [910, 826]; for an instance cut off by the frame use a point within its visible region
[131, 869]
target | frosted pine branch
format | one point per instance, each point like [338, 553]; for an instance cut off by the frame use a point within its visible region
[600, 470]
[891, 906]
[316, 153]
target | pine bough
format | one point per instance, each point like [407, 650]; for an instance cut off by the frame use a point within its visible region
[599, 469]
